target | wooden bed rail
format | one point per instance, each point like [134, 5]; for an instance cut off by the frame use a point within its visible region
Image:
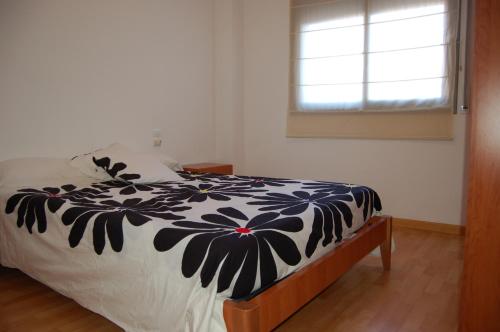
[267, 310]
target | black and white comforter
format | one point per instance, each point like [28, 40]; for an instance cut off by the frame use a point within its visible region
[165, 256]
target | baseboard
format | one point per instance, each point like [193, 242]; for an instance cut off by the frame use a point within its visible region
[429, 226]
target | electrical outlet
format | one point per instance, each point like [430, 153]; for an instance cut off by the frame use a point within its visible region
[157, 138]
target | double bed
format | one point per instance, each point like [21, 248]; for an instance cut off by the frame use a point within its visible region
[206, 252]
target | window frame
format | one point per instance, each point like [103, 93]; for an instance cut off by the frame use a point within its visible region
[367, 106]
[409, 123]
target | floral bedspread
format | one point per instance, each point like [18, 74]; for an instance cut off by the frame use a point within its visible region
[189, 244]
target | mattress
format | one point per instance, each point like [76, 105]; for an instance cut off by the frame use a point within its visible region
[165, 256]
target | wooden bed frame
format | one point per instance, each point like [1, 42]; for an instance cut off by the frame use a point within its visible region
[270, 308]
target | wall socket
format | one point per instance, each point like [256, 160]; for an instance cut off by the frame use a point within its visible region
[157, 138]
[157, 142]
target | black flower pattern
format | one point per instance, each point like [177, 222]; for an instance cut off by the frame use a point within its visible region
[328, 215]
[327, 187]
[109, 216]
[222, 241]
[204, 177]
[203, 191]
[32, 203]
[126, 188]
[368, 199]
[105, 163]
[257, 182]
[296, 202]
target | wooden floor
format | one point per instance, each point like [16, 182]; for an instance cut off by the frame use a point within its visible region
[419, 294]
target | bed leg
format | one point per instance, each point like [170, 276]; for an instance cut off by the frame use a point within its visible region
[386, 246]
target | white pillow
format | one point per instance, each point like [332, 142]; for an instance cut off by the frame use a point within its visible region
[29, 171]
[166, 160]
[118, 162]
[85, 165]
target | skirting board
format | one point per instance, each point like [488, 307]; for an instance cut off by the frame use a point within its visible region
[429, 226]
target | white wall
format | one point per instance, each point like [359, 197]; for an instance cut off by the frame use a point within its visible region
[228, 82]
[416, 179]
[76, 75]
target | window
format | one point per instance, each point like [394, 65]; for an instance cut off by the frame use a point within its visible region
[372, 55]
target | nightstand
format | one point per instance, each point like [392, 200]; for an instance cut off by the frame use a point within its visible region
[225, 169]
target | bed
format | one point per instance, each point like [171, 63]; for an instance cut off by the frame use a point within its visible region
[206, 252]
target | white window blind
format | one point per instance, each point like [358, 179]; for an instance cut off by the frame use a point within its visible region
[372, 54]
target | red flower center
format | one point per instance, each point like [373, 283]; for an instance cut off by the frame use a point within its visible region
[243, 230]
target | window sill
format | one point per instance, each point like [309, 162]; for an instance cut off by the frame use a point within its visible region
[418, 125]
